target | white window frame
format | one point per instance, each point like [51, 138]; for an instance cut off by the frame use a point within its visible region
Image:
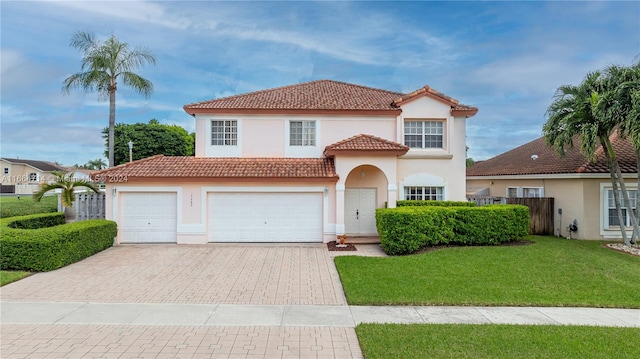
[424, 131]
[308, 133]
[439, 194]
[609, 205]
[6, 170]
[33, 177]
[521, 192]
[229, 133]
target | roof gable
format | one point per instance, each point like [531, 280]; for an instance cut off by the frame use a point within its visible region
[323, 96]
[536, 158]
[365, 144]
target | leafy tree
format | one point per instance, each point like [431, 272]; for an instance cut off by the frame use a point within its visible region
[68, 184]
[103, 63]
[573, 114]
[150, 139]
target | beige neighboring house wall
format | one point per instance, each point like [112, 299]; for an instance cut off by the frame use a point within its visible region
[579, 188]
[26, 175]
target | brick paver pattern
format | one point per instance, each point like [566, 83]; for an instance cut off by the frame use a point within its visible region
[111, 341]
[186, 274]
[203, 274]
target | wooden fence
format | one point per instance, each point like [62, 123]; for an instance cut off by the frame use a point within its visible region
[540, 214]
[541, 211]
[87, 206]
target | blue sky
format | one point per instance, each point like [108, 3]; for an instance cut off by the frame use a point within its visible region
[506, 58]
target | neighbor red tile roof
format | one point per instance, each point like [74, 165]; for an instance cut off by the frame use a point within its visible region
[321, 95]
[180, 168]
[520, 160]
[366, 144]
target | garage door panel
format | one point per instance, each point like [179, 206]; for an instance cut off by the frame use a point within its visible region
[149, 217]
[265, 217]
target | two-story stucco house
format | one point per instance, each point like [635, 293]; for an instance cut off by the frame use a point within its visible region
[25, 176]
[298, 163]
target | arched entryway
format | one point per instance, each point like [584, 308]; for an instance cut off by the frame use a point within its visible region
[365, 190]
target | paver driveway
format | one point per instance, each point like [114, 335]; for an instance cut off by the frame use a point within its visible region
[204, 274]
[195, 274]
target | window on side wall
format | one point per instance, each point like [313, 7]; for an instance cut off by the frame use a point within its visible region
[424, 193]
[224, 133]
[612, 214]
[6, 170]
[424, 134]
[33, 177]
[512, 192]
[302, 133]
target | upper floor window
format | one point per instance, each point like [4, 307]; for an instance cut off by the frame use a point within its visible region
[613, 219]
[224, 133]
[33, 177]
[424, 134]
[302, 133]
[424, 193]
[6, 170]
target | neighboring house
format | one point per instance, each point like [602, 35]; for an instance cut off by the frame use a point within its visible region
[24, 176]
[581, 190]
[299, 163]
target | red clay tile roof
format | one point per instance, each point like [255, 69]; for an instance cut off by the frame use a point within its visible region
[321, 95]
[367, 144]
[179, 167]
[519, 161]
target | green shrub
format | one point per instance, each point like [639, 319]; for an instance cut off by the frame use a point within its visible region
[493, 224]
[50, 248]
[36, 221]
[407, 229]
[415, 203]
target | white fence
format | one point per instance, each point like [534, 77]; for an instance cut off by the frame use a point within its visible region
[87, 206]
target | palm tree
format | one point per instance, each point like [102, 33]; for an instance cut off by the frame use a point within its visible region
[572, 114]
[96, 164]
[620, 103]
[103, 63]
[67, 184]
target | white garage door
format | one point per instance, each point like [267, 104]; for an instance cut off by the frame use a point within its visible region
[148, 217]
[265, 217]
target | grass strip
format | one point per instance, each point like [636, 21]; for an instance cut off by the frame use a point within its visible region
[390, 341]
[7, 277]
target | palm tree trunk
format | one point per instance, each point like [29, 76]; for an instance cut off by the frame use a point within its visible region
[614, 184]
[112, 123]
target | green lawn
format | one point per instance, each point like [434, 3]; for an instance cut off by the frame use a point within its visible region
[551, 272]
[390, 341]
[7, 277]
[12, 206]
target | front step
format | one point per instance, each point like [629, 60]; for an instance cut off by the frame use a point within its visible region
[363, 239]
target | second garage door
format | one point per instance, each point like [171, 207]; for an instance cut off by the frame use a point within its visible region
[265, 217]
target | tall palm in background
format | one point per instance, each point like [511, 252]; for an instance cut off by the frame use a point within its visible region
[571, 114]
[103, 63]
[68, 185]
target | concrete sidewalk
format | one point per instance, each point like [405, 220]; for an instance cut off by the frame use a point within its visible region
[302, 315]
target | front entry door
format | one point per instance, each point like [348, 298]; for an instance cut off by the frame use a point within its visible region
[360, 211]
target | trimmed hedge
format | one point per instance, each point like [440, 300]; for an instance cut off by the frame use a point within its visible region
[405, 230]
[53, 247]
[417, 203]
